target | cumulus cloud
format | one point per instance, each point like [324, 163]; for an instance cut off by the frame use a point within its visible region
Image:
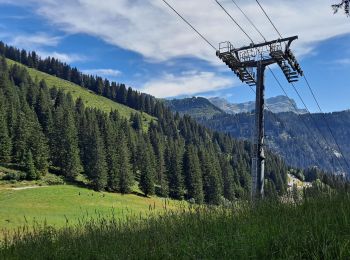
[188, 83]
[148, 27]
[103, 72]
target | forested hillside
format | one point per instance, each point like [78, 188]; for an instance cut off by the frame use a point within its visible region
[112, 90]
[43, 129]
[287, 135]
[196, 107]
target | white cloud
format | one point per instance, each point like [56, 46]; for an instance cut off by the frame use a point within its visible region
[34, 41]
[148, 27]
[188, 83]
[64, 57]
[345, 61]
[103, 72]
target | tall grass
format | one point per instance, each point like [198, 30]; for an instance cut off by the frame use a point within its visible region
[316, 228]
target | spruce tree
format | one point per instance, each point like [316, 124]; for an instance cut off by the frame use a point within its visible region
[71, 164]
[160, 167]
[174, 170]
[136, 121]
[110, 134]
[96, 167]
[29, 166]
[40, 149]
[20, 138]
[211, 179]
[64, 143]
[126, 178]
[228, 179]
[43, 109]
[147, 173]
[5, 140]
[193, 175]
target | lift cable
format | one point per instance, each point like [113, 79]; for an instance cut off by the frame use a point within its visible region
[234, 21]
[250, 21]
[269, 18]
[189, 24]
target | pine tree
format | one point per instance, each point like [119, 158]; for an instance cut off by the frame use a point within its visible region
[193, 175]
[96, 166]
[20, 139]
[228, 179]
[5, 140]
[126, 178]
[136, 121]
[146, 183]
[71, 164]
[30, 167]
[43, 109]
[158, 148]
[174, 170]
[211, 180]
[40, 149]
[110, 134]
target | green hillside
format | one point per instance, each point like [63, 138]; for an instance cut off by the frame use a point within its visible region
[61, 203]
[90, 99]
[196, 107]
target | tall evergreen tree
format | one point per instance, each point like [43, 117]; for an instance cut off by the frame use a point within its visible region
[125, 180]
[96, 166]
[64, 148]
[147, 173]
[211, 180]
[193, 175]
[110, 133]
[228, 179]
[5, 140]
[30, 167]
[174, 170]
[158, 147]
[136, 121]
[43, 108]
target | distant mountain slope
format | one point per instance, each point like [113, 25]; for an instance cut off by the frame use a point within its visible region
[196, 107]
[285, 133]
[277, 104]
[90, 98]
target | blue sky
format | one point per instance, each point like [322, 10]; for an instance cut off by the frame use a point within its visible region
[144, 45]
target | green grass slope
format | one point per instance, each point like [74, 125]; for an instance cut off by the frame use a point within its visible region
[316, 229]
[90, 99]
[57, 204]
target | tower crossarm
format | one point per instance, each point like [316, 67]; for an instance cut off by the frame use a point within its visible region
[242, 60]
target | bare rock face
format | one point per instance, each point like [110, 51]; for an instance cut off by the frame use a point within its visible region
[277, 104]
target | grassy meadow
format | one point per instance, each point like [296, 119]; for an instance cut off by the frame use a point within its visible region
[60, 205]
[90, 99]
[314, 229]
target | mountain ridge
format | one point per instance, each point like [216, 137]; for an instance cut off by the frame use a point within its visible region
[286, 133]
[278, 104]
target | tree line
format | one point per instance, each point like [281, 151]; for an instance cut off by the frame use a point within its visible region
[112, 90]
